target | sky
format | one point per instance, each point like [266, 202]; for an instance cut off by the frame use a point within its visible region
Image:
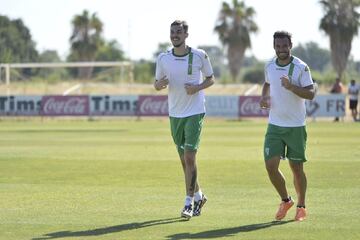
[140, 25]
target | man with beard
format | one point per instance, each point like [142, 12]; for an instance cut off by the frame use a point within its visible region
[287, 84]
[182, 69]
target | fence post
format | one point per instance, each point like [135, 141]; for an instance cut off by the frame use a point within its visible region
[7, 78]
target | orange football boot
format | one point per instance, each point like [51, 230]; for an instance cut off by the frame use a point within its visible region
[300, 214]
[283, 208]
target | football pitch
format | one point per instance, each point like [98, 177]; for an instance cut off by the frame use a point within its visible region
[121, 179]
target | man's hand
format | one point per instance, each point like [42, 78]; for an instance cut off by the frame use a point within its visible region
[285, 82]
[191, 89]
[162, 83]
[265, 102]
[303, 92]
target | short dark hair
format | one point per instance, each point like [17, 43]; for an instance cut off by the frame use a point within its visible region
[282, 34]
[180, 23]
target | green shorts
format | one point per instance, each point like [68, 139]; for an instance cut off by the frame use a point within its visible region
[186, 132]
[287, 142]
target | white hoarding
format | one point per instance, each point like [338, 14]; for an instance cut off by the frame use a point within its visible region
[109, 105]
[20, 105]
[331, 105]
[222, 106]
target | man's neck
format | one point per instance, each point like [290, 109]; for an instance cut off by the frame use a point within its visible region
[181, 50]
[285, 61]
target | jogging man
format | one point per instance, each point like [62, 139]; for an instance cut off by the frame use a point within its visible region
[353, 91]
[287, 84]
[187, 71]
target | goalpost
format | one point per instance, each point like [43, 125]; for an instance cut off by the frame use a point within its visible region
[126, 68]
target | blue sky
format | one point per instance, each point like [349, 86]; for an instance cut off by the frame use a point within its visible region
[140, 25]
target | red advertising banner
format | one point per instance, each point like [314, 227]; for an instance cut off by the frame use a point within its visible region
[152, 105]
[249, 107]
[65, 106]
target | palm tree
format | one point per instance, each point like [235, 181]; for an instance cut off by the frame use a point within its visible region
[234, 25]
[340, 22]
[85, 40]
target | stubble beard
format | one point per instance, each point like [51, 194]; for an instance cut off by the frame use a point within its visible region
[283, 57]
[178, 45]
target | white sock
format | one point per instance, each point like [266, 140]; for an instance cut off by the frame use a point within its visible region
[198, 196]
[188, 200]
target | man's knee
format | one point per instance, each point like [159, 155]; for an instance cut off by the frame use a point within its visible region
[189, 158]
[297, 169]
[272, 165]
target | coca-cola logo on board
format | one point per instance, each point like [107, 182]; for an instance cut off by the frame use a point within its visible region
[250, 107]
[154, 106]
[65, 106]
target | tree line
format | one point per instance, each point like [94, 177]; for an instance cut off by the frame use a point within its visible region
[234, 26]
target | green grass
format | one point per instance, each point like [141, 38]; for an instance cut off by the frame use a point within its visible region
[108, 179]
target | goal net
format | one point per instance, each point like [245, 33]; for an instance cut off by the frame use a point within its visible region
[63, 77]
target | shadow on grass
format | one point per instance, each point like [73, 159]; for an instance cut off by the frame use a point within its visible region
[226, 232]
[107, 230]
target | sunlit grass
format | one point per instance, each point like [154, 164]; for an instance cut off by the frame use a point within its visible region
[122, 180]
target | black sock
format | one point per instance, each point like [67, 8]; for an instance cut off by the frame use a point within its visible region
[300, 206]
[286, 199]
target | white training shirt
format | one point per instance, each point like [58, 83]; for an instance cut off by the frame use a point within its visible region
[286, 108]
[180, 70]
[353, 91]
